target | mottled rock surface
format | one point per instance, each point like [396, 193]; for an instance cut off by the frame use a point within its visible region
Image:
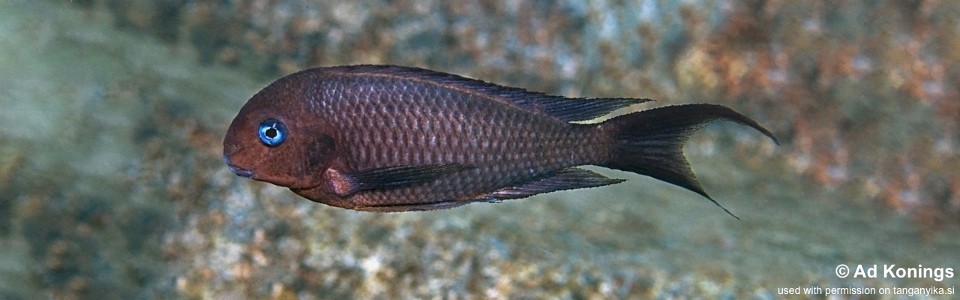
[864, 91]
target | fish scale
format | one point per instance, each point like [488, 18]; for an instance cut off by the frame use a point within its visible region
[448, 118]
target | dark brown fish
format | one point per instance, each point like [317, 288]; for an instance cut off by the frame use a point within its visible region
[389, 138]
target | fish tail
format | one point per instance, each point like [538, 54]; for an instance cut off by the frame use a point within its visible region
[651, 142]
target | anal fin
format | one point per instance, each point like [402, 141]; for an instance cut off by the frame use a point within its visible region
[565, 179]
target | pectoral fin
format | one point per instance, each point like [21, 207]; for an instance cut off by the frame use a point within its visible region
[344, 184]
[566, 179]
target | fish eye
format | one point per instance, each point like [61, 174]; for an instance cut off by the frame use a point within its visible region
[272, 132]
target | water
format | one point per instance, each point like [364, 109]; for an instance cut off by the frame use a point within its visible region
[112, 186]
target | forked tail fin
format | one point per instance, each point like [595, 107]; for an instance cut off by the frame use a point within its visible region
[651, 141]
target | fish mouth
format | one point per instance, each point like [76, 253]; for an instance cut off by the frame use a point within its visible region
[237, 170]
[240, 171]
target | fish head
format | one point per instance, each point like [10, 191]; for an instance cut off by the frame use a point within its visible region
[274, 138]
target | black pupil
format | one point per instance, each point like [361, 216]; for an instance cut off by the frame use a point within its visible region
[271, 133]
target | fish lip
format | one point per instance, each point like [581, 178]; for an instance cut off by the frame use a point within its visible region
[237, 170]
[240, 171]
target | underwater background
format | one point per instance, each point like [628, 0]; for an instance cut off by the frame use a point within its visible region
[112, 115]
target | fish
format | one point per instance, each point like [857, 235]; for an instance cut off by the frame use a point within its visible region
[391, 138]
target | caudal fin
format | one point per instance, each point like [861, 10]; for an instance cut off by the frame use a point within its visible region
[651, 141]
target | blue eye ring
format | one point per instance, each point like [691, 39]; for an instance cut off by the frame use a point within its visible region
[272, 132]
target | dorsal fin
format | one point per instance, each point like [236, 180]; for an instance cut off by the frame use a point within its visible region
[563, 108]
